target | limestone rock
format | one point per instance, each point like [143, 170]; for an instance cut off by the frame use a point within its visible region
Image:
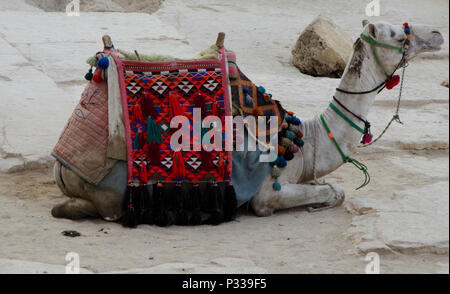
[148, 6]
[322, 49]
[413, 221]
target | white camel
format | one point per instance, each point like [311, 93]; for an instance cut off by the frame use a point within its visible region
[318, 157]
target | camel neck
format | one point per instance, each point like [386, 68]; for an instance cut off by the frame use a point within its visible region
[361, 73]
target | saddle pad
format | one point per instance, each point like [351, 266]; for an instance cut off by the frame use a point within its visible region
[253, 101]
[152, 93]
[83, 142]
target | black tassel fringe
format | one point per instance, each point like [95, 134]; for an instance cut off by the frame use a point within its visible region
[180, 207]
[130, 217]
[230, 203]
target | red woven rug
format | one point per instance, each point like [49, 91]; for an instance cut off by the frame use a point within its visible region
[153, 93]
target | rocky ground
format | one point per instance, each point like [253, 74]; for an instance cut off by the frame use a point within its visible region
[402, 214]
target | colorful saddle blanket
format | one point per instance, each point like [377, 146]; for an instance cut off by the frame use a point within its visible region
[153, 94]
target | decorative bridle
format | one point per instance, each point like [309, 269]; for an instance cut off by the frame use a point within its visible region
[390, 82]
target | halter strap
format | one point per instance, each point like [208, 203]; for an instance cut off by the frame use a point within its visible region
[347, 159]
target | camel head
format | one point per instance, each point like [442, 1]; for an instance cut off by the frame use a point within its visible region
[422, 39]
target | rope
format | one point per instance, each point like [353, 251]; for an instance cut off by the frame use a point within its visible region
[347, 159]
[396, 116]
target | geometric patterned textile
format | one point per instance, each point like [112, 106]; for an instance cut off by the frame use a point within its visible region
[155, 92]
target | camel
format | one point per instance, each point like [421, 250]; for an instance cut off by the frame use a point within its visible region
[366, 70]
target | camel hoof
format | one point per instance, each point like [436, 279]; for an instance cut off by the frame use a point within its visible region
[74, 209]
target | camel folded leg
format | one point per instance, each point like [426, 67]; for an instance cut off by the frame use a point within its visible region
[296, 195]
[75, 208]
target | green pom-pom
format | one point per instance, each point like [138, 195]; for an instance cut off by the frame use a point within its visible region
[88, 76]
[299, 142]
[276, 186]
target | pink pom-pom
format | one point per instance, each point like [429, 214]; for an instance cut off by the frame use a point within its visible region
[293, 148]
[366, 138]
[284, 125]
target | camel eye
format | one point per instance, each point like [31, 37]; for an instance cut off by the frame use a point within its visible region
[402, 40]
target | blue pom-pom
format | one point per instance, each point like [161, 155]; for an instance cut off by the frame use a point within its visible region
[288, 118]
[281, 161]
[261, 89]
[290, 135]
[296, 121]
[276, 186]
[103, 63]
[407, 31]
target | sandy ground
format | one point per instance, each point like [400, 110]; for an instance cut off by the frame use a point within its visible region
[261, 33]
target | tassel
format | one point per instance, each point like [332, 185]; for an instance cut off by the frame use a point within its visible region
[392, 82]
[214, 109]
[130, 217]
[103, 62]
[136, 141]
[143, 173]
[205, 156]
[97, 76]
[215, 205]
[195, 197]
[153, 131]
[88, 76]
[230, 203]
[293, 148]
[148, 109]
[138, 112]
[367, 138]
[154, 154]
[178, 169]
[179, 198]
[276, 186]
[146, 215]
[154, 138]
[161, 217]
[288, 155]
[199, 102]
[221, 167]
[174, 106]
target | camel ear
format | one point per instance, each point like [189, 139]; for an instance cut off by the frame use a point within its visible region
[364, 22]
[372, 31]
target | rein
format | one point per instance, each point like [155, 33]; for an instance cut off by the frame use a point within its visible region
[367, 136]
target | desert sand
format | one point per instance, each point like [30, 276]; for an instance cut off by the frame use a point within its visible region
[402, 215]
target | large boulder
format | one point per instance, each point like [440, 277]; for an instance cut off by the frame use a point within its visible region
[322, 49]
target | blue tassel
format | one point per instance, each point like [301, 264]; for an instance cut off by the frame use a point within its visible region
[261, 89]
[295, 121]
[281, 161]
[288, 118]
[103, 63]
[290, 135]
[276, 186]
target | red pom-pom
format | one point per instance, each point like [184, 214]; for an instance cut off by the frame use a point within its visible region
[392, 82]
[405, 24]
[97, 76]
[366, 139]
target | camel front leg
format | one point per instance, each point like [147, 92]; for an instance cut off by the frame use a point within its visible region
[294, 195]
